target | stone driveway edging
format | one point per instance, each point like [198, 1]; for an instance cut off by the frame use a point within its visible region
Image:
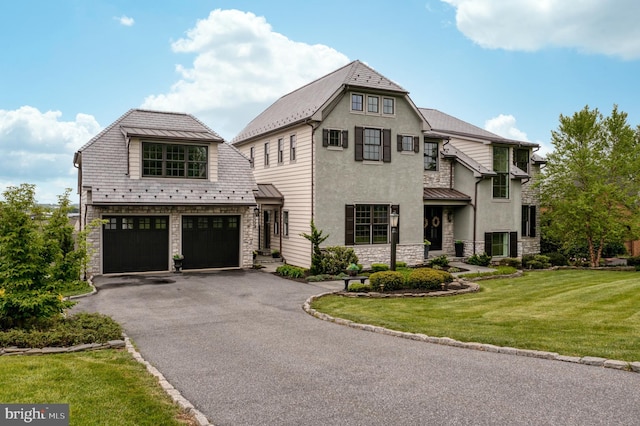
[586, 360]
[175, 394]
[14, 350]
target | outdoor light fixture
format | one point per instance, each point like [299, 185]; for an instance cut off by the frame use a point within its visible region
[256, 211]
[394, 217]
[449, 215]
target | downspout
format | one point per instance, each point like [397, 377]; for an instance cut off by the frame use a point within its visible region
[313, 149]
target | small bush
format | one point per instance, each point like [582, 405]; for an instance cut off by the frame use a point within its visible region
[482, 259]
[386, 280]
[428, 278]
[633, 261]
[318, 278]
[378, 267]
[510, 261]
[440, 261]
[290, 271]
[336, 259]
[78, 329]
[359, 287]
[557, 259]
[535, 261]
[401, 264]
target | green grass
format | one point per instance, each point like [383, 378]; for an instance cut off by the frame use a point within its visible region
[75, 288]
[105, 387]
[572, 312]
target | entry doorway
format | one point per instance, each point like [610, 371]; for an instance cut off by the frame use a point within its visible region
[433, 226]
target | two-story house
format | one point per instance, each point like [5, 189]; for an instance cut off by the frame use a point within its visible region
[350, 148]
[165, 184]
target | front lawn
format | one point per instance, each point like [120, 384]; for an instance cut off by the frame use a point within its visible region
[572, 312]
[105, 387]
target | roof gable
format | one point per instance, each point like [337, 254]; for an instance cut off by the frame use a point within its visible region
[304, 102]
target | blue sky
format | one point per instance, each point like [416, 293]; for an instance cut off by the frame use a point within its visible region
[69, 68]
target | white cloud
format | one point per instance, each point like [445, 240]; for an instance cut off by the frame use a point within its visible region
[38, 147]
[241, 66]
[125, 20]
[591, 26]
[505, 126]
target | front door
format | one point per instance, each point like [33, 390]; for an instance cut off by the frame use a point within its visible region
[433, 226]
[267, 229]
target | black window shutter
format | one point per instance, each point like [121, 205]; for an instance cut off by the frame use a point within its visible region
[399, 137]
[524, 224]
[416, 144]
[396, 209]
[349, 210]
[532, 221]
[488, 239]
[359, 140]
[325, 137]
[386, 145]
[513, 244]
[345, 138]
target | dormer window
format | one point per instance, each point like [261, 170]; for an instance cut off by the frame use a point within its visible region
[373, 104]
[174, 160]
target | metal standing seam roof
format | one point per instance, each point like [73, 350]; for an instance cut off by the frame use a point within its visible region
[304, 102]
[267, 190]
[201, 136]
[447, 194]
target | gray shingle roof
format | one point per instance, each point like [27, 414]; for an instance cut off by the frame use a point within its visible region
[104, 163]
[304, 102]
[446, 124]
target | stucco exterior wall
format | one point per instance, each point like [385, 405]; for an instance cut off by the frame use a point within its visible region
[340, 180]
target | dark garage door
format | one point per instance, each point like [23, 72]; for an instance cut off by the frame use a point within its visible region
[210, 241]
[135, 244]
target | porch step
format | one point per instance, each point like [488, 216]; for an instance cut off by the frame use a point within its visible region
[262, 259]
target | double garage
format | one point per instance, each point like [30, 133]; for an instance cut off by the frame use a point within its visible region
[142, 243]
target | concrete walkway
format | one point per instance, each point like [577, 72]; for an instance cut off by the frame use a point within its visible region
[238, 345]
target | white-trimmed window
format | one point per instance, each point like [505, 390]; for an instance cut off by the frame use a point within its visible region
[266, 153]
[292, 148]
[373, 104]
[372, 224]
[357, 102]
[388, 106]
[280, 151]
[335, 137]
[252, 156]
[501, 167]
[285, 223]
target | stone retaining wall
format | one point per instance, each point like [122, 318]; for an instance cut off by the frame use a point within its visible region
[14, 350]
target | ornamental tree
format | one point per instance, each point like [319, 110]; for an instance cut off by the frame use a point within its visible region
[590, 186]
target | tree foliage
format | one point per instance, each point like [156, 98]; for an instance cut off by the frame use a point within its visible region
[590, 186]
[36, 252]
[316, 238]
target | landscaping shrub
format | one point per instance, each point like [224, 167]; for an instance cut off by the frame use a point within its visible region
[290, 271]
[359, 287]
[78, 329]
[557, 259]
[386, 280]
[378, 267]
[428, 278]
[440, 261]
[633, 261]
[510, 261]
[335, 260]
[401, 264]
[318, 278]
[482, 259]
[535, 261]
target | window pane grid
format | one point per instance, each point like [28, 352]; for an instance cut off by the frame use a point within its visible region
[407, 143]
[387, 106]
[371, 224]
[372, 104]
[430, 156]
[178, 161]
[356, 102]
[372, 139]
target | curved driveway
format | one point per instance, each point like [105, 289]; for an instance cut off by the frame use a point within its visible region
[238, 345]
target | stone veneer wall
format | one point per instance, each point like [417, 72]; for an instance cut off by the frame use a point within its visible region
[442, 178]
[412, 254]
[247, 231]
[531, 197]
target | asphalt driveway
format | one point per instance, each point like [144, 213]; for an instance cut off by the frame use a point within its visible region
[238, 345]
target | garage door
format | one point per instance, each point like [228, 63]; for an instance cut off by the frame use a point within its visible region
[210, 241]
[135, 244]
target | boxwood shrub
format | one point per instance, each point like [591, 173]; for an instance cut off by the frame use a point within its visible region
[386, 280]
[378, 267]
[428, 278]
[290, 271]
[359, 287]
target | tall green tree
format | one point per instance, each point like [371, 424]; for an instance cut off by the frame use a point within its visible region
[590, 186]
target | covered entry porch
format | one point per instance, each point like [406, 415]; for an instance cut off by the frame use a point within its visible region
[268, 215]
[444, 221]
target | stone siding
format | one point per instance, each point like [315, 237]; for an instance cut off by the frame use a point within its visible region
[411, 254]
